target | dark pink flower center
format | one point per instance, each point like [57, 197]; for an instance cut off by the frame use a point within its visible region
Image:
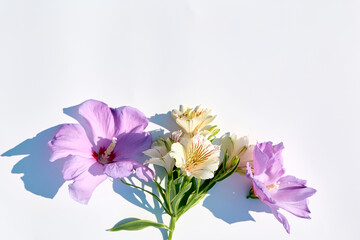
[101, 152]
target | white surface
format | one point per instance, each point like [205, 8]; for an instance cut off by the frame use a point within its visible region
[276, 70]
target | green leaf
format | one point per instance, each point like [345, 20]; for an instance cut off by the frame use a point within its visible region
[226, 157]
[252, 194]
[176, 200]
[212, 128]
[161, 191]
[168, 145]
[137, 224]
[193, 199]
[177, 183]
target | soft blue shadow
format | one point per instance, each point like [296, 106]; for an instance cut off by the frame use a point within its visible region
[227, 200]
[138, 197]
[40, 176]
[165, 120]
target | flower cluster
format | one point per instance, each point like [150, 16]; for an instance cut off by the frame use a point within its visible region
[189, 149]
[108, 142]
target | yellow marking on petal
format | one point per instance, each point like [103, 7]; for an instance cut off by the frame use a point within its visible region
[272, 186]
[108, 151]
[198, 154]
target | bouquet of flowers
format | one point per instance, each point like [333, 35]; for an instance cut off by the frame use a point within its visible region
[108, 142]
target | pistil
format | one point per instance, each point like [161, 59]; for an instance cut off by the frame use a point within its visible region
[103, 159]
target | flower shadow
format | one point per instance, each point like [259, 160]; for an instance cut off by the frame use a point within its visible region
[165, 120]
[40, 176]
[231, 195]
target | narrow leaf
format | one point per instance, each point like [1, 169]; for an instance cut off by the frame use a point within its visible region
[230, 171]
[226, 157]
[135, 225]
[176, 200]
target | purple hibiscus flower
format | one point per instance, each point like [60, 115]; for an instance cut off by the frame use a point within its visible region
[274, 189]
[105, 143]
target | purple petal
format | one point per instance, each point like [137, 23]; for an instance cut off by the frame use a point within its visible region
[87, 175]
[278, 148]
[119, 169]
[299, 209]
[132, 145]
[96, 118]
[260, 189]
[268, 162]
[260, 160]
[129, 119]
[292, 196]
[291, 181]
[281, 218]
[70, 139]
[275, 165]
[124, 168]
[266, 148]
[293, 193]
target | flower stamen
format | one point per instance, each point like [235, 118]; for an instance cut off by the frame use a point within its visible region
[198, 155]
[103, 159]
[273, 186]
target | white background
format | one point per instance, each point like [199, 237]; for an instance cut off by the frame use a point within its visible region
[274, 70]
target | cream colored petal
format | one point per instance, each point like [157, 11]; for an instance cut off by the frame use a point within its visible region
[200, 139]
[198, 108]
[207, 112]
[239, 144]
[186, 124]
[184, 108]
[212, 164]
[227, 144]
[206, 167]
[205, 133]
[203, 174]
[166, 162]
[206, 121]
[157, 161]
[169, 163]
[196, 124]
[153, 152]
[178, 153]
[248, 156]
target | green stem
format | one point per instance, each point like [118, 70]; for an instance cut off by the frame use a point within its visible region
[167, 194]
[172, 227]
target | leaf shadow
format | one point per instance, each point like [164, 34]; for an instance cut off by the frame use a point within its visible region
[227, 200]
[40, 176]
[138, 197]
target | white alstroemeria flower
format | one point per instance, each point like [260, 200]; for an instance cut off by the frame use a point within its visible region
[160, 155]
[192, 120]
[237, 146]
[196, 156]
